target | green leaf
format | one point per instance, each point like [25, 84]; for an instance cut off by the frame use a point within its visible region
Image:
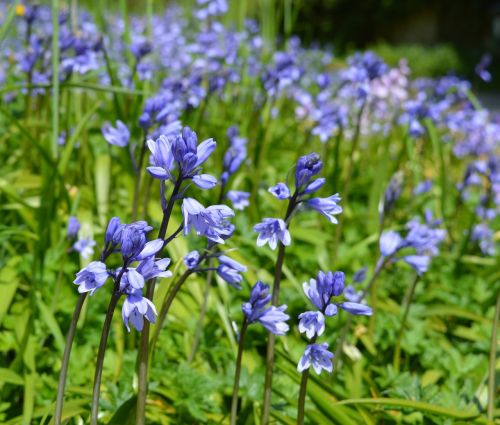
[52, 324]
[10, 377]
[411, 404]
[125, 414]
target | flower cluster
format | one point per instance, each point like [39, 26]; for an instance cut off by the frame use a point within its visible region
[139, 264]
[325, 293]
[272, 230]
[272, 318]
[424, 238]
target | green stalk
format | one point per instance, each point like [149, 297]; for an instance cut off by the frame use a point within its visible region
[268, 383]
[237, 372]
[303, 391]
[96, 392]
[143, 355]
[408, 300]
[55, 77]
[65, 361]
[492, 362]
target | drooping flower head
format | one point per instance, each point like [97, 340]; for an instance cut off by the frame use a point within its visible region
[184, 154]
[272, 318]
[136, 308]
[307, 167]
[272, 230]
[210, 222]
[118, 136]
[73, 227]
[317, 356]
[92, 277]
[229, 270]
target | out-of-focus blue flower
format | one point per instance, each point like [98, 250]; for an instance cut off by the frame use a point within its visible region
[390, 242]
[113, 232]
[140, 47]
[73, 227]
[423, 187]
[191, 259]
[135, 308]
[280, 191]
[420, 263]
[211, 8]
[272, 318]
[85, 246]
[481, 68]
[210, 222]
[424, 238]
[272, 230]
[235, 154]
[118, 136]
[327, 207]
[229, 270]
[360, 275]
[317, 356]
[355, 308]
[485, 236]
[312, 323]
[92, 277]
[391, 194]
[239, 199]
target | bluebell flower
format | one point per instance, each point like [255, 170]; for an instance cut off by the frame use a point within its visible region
[307, 167]
[73, 227]
[356, 308]
[118, 136]
[183, 153]
[235, 154]
[420, 263]
[272, 230]
[113, 231]
[360, 275]
[392, 193]
[91, 277]
[229, 270]
[390, 242]
[85, 246]
[424, 238]
[327, 207]
[136, 308]
[312, 323]
[239, 199]
[483, 234]
[130, 280]
[423, 187]
[150, 268]
[280, 191]
[140, 47]
[481, 68]
[317, 356]
[210, 222]
[191, 259]
[272, 318]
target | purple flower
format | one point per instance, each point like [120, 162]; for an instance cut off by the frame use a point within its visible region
[184, 153]
[272, 318]
[140, 48]
[92, 277]
[423, 187]
[210, 222]
[312, 323]
[85, 247]
[317, 356]
[420, 263]
[114, 228]
[307, 167]
[150, 268]
[392, 193]
[235, 154]
[229, 270]
[272, 230]
[191, 259]
[239, 199]
[356, 308]
[73, 227]
[360, 275]
[390, 242]
[280, 191]
[118, 136]
[326, 206]
[481, 70]
[135, 308]
[323, 288]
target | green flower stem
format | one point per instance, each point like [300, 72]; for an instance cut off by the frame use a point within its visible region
[143, 355]
[100, 356]
[303, 391]
[408, 300]
[492, 362]
[237, 372]
[65, 361]
[268, 383]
